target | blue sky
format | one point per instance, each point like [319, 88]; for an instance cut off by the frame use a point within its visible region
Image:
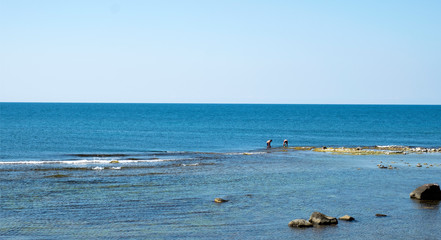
[351, 52]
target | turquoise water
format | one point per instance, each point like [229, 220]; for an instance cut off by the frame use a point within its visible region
[152, 171]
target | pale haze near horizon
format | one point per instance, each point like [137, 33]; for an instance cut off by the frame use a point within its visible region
[295, 52]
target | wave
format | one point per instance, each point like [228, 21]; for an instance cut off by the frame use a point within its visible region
[85, 162]
[245, 153]
[164, 156]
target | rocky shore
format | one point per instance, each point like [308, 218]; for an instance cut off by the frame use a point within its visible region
[370, 150]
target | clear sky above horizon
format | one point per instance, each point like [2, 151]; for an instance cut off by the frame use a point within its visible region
[349, 52]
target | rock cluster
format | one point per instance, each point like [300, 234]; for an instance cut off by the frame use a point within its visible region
[424, 150]
[384, 167]
[317, 218]
[376, 150]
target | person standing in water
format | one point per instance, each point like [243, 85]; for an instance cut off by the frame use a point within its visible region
[285, 143]
[268, 143]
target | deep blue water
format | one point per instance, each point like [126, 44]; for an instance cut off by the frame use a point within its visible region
[151, 171]
[41, 130]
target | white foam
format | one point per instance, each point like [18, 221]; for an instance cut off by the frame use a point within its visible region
[85, 161]
[193, 164]
[142, 161]
[245, 153]
[254, 153]
[389, 146]
[98, 168]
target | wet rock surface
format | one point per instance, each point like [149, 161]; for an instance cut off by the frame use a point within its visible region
[371, 150]
[300, 223]
[322, 219]
[346, 218]
[430, 191]
[220, 200]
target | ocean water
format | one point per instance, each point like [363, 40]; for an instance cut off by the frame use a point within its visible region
[152, 171]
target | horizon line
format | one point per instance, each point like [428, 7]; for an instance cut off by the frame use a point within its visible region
[225, 103]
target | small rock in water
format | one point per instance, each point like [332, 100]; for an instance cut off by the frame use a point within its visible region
[300, 223]
[380, 215]
[220, 200]
[321, 219]
[346, 218]
[381, 166]
[419, 165]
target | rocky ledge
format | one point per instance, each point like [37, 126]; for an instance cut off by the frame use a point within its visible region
[366, 150]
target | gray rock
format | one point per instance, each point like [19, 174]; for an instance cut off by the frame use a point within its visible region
[321, 219]
[300, 223]
[430, 191]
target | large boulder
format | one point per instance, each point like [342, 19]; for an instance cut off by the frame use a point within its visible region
[300, 223]
[428, 191]
[321, 219]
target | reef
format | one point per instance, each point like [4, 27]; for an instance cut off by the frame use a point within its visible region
[367, 150]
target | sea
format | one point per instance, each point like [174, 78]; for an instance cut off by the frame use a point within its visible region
[152, 171]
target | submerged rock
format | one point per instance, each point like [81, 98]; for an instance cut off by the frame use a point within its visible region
[429, 191]
[346, 218]
[57, 176]
[321, 219]
[300, 223]
[220, 200]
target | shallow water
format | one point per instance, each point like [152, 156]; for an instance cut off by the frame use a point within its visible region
[152, 171]
[174, 198]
